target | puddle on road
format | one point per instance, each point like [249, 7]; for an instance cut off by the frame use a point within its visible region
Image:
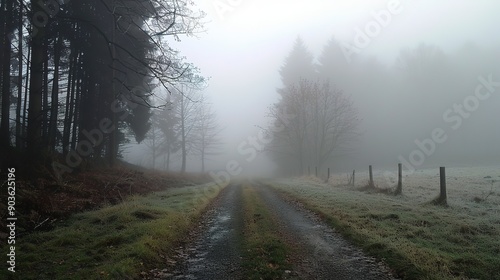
[223, 217]
[200, 259]
[218, 226]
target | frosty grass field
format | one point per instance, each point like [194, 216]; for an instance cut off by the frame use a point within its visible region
[417, 239]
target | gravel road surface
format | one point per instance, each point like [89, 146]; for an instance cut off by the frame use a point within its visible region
[319, 251]
[323, 253]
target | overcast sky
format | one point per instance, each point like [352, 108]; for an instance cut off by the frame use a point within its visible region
[246, 42]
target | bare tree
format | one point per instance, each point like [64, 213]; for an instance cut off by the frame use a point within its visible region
[154, 139]
[207, 134]
[187, 112]
[169, 124]
[163, 137]
[324, 118]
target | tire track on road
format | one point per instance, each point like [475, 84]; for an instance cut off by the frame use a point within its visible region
[315, 250]
[215, 254]
[321, 252]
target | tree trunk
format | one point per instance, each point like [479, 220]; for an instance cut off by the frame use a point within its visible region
[36, 86]
[75, 113]
[183, 135]
[25, 102]
[45, 94]
[168, 160]
[70, 92]
[164, 162]
[54, 108]
[19, 129]
[6, 41]
[202, 160]
[113, 145]
[154, 148]
[3, 21]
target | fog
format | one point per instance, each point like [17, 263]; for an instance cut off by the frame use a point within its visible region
[414, 82]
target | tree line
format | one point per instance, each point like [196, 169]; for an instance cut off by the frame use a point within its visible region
[320, 116]
[78, 78]
[398, 103]
[187, 127]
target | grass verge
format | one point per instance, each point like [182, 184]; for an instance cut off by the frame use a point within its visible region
[418, 241]
[116, 242]
[264, 251]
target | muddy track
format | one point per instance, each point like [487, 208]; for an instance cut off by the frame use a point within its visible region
[321, 252]
[212, 249]
[216, 252]
[318, 251]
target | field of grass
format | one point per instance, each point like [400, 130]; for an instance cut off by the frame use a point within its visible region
[115, 242]
[417, 239]
[264, 251]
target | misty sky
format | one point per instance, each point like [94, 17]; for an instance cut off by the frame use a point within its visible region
[246, 42]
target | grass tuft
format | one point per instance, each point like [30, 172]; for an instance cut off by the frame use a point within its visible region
[265, 253]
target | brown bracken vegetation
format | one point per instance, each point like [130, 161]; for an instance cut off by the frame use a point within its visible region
[43, 202]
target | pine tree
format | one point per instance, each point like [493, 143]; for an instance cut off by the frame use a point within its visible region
[299, 65]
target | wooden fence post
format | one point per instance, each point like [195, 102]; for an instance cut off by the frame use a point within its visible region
[371, 176]
[441, 199]
[327, 175]
[399, 188]
[353, 175]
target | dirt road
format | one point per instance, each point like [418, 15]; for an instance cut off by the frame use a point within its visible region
[322, 252]
[216, 252]
[318, 251]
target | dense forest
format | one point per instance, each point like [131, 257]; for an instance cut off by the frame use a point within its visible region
[79, 78]
[333, 112]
